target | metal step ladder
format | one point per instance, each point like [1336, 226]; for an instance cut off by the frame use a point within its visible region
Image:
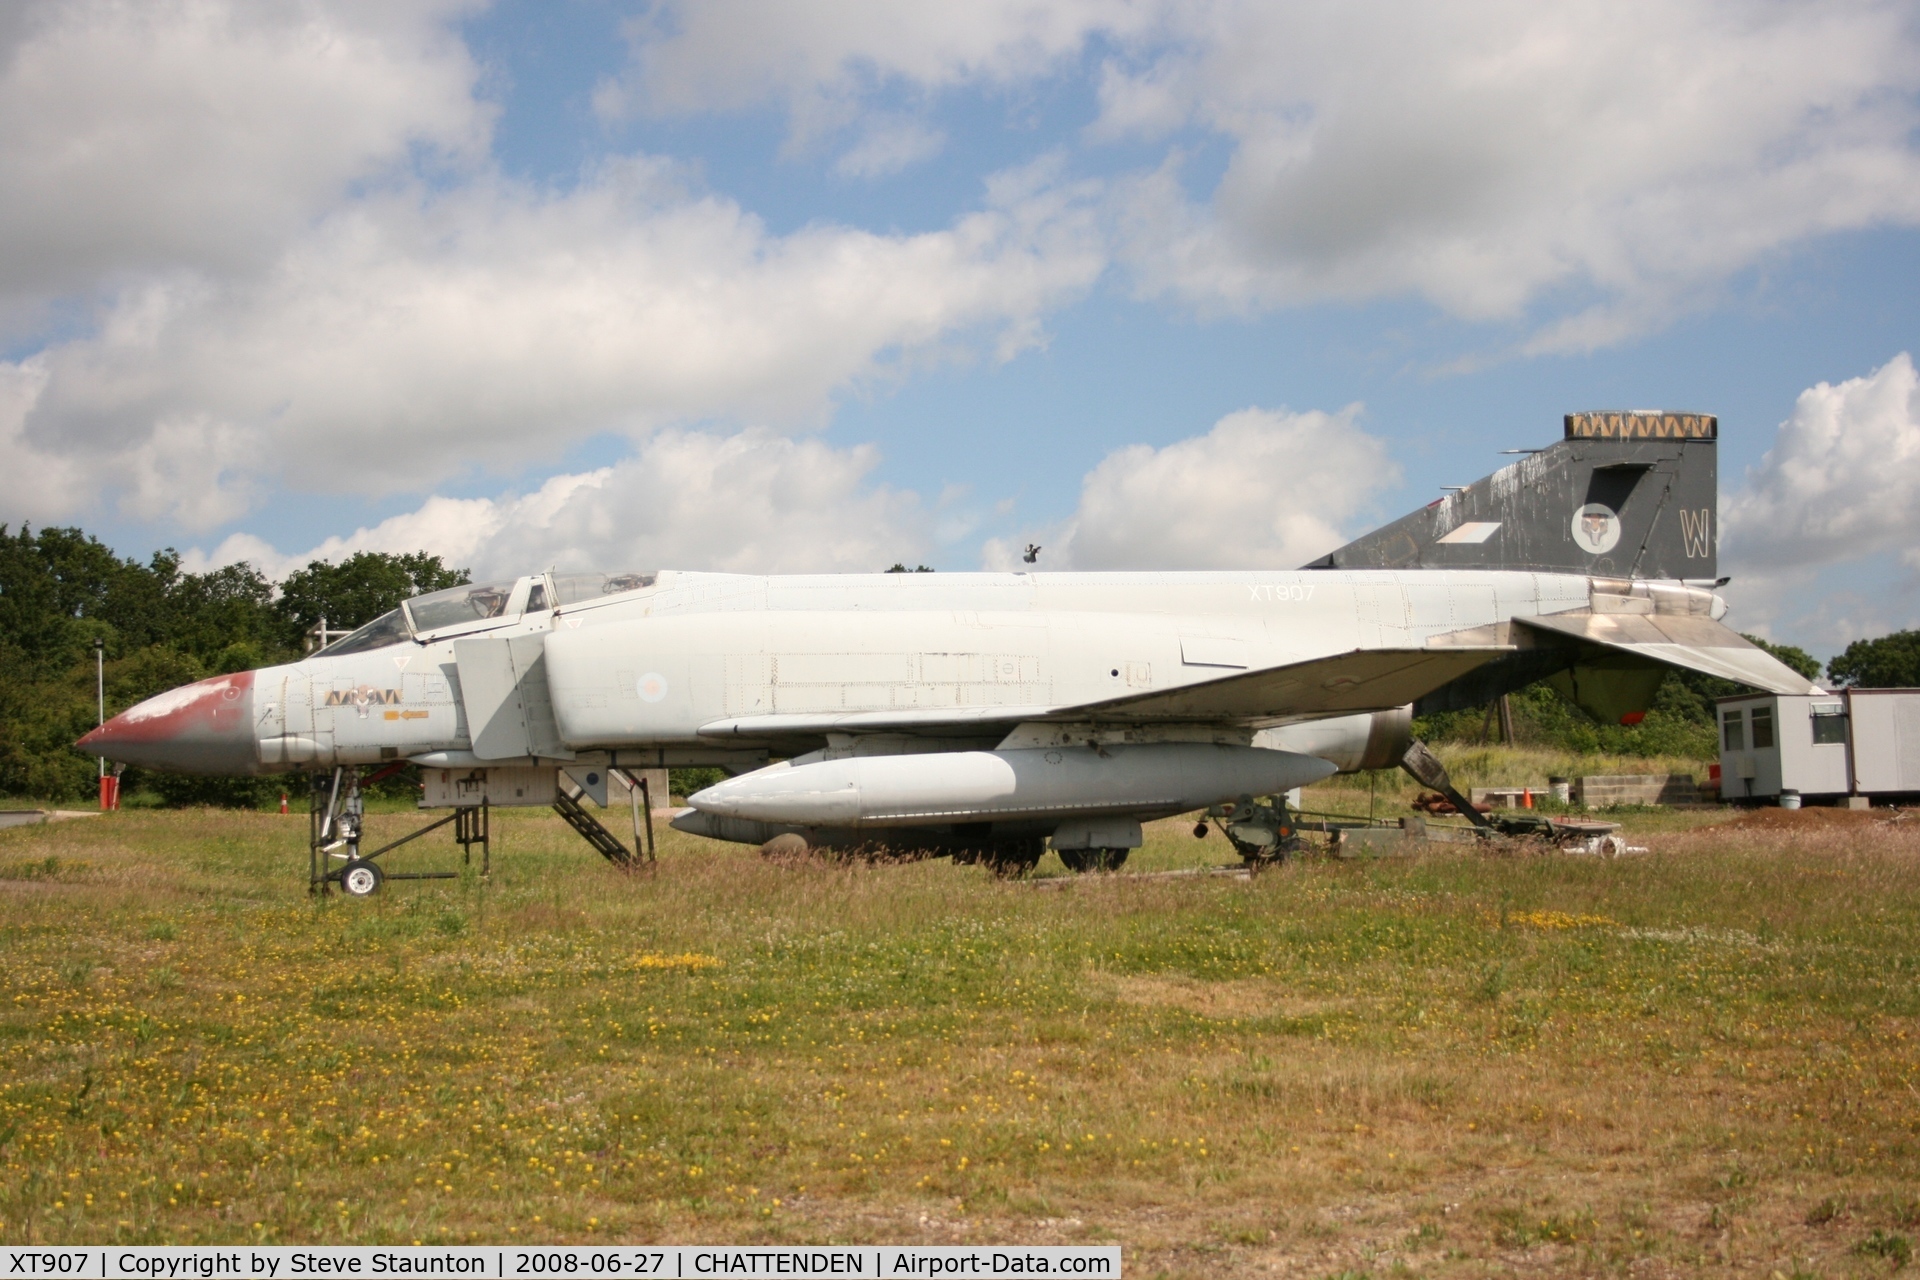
[603, 840]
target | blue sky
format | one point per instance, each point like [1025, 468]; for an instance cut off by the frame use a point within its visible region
[823, 287]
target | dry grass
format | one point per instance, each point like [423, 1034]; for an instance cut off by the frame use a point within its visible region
[1453, 1064]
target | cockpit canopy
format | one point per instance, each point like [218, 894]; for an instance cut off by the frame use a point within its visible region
[572, 588]
[460, 608]
[473, 602]
[388, 628]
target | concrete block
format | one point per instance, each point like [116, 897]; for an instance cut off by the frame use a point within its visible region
[1601, 790]
[1856, 802]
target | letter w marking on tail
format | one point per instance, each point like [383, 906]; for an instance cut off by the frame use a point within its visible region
[1696, 530]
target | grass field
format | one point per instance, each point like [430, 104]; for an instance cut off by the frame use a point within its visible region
[1458, 1063]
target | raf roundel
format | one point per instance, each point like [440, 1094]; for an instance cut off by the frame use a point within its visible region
[652, 687]
[1596, 528]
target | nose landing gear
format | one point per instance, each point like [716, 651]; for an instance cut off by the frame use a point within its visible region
[335, 819]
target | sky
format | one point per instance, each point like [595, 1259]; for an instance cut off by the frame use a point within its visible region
[823, 287]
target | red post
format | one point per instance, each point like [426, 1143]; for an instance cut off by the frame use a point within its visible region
[283, 802]
[109, 792]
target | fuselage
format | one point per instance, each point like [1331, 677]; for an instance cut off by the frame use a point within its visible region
[655, 666]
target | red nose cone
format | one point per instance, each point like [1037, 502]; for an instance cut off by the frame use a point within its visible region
[205, 727]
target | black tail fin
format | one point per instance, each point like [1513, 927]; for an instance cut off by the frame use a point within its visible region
[1623, 495]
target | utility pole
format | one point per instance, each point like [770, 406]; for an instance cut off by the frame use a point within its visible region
[100, 689]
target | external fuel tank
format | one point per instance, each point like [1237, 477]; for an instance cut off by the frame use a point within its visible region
[1146, 780]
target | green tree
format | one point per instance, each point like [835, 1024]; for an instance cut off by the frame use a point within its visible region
[61, 589]
[1891, 662]
[358, 589]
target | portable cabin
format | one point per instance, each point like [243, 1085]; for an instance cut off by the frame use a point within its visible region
[1857, 742]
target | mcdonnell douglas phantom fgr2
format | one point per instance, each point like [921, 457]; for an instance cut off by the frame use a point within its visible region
[988, 716]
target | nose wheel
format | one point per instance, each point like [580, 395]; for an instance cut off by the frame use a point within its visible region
[334, 833]
[361, 878]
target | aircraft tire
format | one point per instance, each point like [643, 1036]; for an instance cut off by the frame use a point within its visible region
[361, 878]
[1011, 859]
[1085, 860]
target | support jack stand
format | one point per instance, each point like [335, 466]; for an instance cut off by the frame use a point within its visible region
[334, 820]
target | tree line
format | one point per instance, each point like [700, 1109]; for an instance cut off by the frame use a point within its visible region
[61, 589]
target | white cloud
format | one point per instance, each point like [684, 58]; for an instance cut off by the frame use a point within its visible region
[415, 336]
[193, 132]
[750, 502]
[1263, 489]
[889, 145]
[1841, 485]
[1588, 169]
[1485, 156]
[821, 59]
[271, 249]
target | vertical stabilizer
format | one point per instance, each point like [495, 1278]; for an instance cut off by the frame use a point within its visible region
[1621, 495]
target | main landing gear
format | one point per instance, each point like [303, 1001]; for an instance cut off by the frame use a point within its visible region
[1085, 860]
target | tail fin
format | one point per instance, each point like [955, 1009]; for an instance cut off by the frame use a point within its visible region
[1622, 495]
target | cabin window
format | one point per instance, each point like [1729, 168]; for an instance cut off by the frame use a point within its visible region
[1829, 724]
[1733, 731]
[537, 598]
[1762, 728]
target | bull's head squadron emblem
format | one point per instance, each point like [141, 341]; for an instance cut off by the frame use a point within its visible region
[1596, 528]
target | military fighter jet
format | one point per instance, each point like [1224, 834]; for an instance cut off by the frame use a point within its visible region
[986, 715]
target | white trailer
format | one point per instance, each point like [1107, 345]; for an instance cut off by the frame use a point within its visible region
[1856, 742]
[1885, 740]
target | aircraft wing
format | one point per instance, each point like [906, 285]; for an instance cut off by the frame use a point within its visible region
[1361, 680]
[1680, 640]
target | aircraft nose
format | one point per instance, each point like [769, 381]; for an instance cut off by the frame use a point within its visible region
[204, 727]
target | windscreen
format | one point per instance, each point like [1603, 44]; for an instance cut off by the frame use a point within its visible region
[471, 603]
[388, 628]
[572, 588]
